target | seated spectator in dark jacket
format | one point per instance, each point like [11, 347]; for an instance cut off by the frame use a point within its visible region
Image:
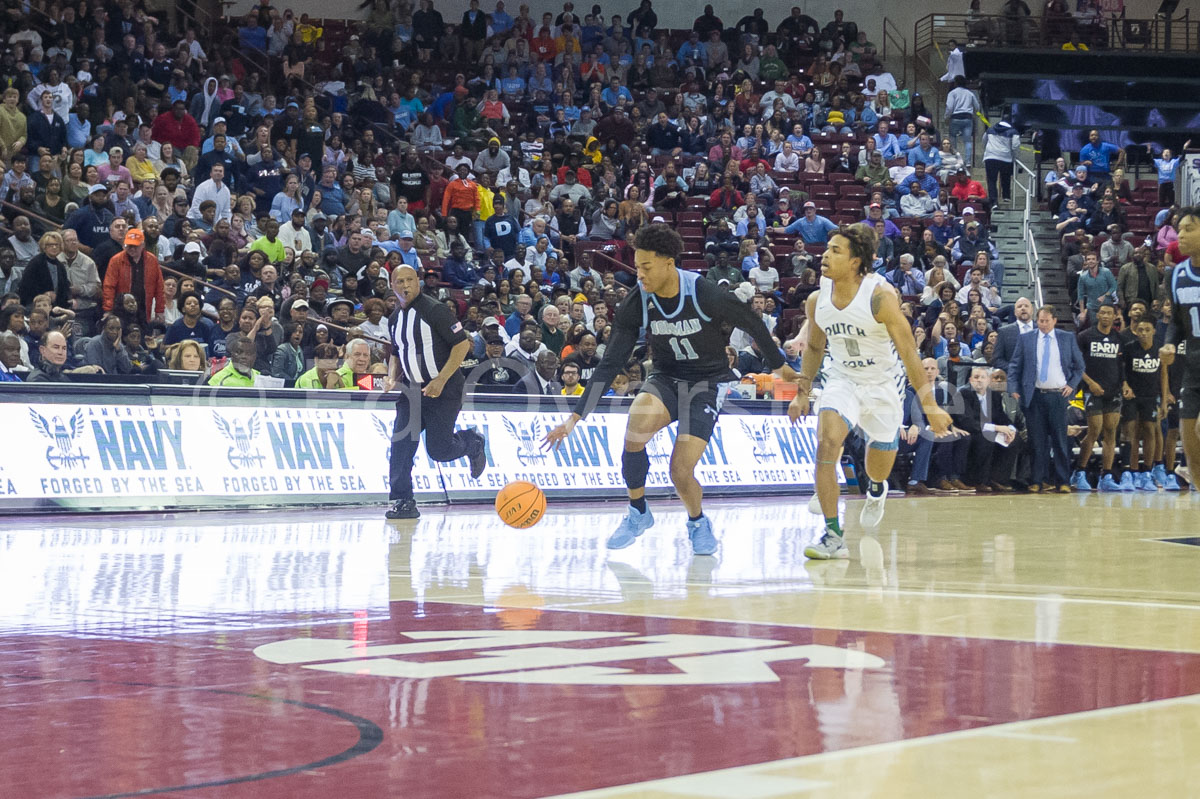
[456, 271]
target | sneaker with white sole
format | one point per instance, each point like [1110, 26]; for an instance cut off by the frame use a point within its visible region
[634, 524]
[872, 512]
[814, 506]
[1184, 473]
[830, 547]
[700, 533]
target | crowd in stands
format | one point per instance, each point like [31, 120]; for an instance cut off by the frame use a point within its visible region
[232, 201]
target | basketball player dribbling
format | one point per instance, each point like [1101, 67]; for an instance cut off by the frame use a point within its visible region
[1184, 329]
[681, 314]
[856, 314]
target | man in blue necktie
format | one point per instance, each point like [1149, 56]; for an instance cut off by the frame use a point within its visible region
[1046, 369]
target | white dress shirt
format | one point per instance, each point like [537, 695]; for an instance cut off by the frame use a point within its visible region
[1056, 378]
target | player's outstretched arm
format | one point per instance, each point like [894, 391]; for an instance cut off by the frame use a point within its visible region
[626, 327]
[721, 304]
[886, 309]
[810, 361]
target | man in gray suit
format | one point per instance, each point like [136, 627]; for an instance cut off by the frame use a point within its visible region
[1007, 335]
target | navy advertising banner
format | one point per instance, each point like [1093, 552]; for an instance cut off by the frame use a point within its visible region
[162, 456]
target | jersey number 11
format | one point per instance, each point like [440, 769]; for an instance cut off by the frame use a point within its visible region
[683, 349]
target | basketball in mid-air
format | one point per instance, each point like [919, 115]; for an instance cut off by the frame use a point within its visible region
[521, 504]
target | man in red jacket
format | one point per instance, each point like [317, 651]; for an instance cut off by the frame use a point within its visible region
[180, 129]
[136, 272]
[966, 190]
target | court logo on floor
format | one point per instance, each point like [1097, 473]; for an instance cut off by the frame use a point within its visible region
[533, 656]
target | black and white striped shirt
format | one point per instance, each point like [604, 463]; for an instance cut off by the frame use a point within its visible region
[423, 335]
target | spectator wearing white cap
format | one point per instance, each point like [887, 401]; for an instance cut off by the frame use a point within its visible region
[812, 228]
[220, 128]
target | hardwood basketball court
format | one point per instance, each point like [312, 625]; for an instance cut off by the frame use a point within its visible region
[973, 646]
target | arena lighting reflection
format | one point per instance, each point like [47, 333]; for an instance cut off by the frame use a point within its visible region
[173, 576]
[762, 546]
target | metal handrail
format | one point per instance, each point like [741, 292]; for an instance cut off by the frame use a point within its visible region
[1032, 264]
[892, 33]
[1165, 34]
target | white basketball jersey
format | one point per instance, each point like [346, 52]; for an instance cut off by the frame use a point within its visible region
[859, 346]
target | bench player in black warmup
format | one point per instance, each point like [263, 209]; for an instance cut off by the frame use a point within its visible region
[1170, 413]
[1145, 379]
[1184, 328]
[1103, 374]
[681, 314]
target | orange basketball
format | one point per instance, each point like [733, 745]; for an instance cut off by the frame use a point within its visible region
[521, 504]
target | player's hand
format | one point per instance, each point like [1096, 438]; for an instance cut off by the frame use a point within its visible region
[1127, 392]
[1167, 353]
[388, 384]
[910, 434]
[557, 435]
[434, 387]
[939, 421]
[1163, 409]
[1097, 390]
[798, 406]
[1067, 392]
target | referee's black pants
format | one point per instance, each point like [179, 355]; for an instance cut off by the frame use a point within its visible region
[435, 416]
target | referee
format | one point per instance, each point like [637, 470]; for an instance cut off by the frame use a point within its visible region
[428, 347]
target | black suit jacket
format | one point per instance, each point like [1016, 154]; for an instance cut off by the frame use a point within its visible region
[972, 420]
[530, 384]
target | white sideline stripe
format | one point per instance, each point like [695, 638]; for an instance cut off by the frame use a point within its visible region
[742, 775]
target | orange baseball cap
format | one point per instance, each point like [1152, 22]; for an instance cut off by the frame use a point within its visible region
[135, 237]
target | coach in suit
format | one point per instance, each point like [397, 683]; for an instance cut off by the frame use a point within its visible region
[543, 378]
[1007, 335]
[1046, 369]
[989, 464]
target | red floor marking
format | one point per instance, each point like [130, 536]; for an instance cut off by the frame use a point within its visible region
[72, 725]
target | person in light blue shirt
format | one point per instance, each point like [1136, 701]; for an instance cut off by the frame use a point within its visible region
[753, 217]
[1097, 156]
[925, 153]
[886, 142]
[400, 220]
[693, 50]
[615, 90]
[812, 229]
[801, 144]
[1165, 166]
[513, 85]
[501, 21]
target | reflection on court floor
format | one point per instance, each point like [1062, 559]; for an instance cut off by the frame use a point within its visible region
[313, 653]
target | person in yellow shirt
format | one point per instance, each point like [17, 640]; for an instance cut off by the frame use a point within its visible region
[486, 208]
[269, 244]
[570, 380]
[325, 372]
[240, 371]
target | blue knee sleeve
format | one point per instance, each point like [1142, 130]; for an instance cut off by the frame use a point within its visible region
[634, 468]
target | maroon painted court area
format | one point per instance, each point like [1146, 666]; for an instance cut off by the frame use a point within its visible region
[201, 715]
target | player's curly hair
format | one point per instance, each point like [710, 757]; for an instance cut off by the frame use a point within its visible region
[659, 239]
[863, 242]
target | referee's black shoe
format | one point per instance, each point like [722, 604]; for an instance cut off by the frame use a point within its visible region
[476, 451]
[403, 509]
